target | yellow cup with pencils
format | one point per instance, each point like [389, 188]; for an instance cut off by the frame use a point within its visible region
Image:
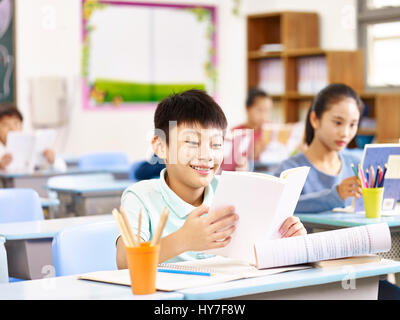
[372, 202]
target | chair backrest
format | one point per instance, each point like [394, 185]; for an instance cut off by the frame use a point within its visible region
[18, 205]
[104, 160]
[85, 248]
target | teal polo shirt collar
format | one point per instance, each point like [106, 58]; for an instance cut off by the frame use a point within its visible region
[175, 203]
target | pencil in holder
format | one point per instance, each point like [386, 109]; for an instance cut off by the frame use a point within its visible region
[142, 263]
[372, 202]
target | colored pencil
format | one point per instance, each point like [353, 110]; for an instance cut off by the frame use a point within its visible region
[196, 273]
[139, 226]
[354, 170]
[362, 176]
[372, 173]
[160, 227]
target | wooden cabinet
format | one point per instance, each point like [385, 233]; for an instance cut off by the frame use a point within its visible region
[284, 59]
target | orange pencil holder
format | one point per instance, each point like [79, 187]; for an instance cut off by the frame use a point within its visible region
[142, 262]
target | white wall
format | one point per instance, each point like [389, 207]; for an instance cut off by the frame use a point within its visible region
[49, 44]
[337, 18]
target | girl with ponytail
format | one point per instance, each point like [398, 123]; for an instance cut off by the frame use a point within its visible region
[332, 123]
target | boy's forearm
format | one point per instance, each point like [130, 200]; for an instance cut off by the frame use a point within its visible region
[171, 246]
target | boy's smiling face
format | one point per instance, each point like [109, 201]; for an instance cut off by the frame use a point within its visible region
[193, 154]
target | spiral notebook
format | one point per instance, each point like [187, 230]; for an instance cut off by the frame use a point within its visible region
[221, 269]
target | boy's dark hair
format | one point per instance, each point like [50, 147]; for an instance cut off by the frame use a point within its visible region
[192, 106]
[10, 110]
[253, 94]
[323, 101]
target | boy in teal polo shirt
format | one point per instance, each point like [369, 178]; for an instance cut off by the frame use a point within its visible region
[189, 138]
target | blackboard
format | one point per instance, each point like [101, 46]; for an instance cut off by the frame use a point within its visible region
[7, 60]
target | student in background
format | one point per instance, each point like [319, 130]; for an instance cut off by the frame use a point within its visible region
[149, 169]
[331, 124]
[192, 151]
[11, 120]
[258, 109]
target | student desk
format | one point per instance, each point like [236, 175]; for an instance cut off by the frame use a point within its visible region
[38, 179]
[90, 198]
[50, 207]
[70, 288]
[348, 282]
[70, 160]
[3, 259]
[334, 220]
[28, 244]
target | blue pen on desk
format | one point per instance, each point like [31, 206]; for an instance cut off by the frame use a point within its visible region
[195, 273]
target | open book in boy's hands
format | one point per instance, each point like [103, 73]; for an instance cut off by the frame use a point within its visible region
[27, 148]
[263, 203]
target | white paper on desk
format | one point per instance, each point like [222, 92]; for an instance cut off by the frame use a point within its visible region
[164, 281]
[342, 243]
[262, 202]
[20, 145]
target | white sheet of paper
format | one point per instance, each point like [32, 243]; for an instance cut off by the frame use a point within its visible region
[45, 139]
[20, 145]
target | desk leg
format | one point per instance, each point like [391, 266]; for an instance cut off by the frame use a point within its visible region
[3, 263]
[29, 259]
[366, 289]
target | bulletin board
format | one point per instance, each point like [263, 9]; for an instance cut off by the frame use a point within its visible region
[134, 54]
[7, 60]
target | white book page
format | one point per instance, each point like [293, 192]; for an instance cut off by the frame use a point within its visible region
[256, 199]
[20, 145]
[327, 245]
[45, 139]
[294, 183]
[164, 281]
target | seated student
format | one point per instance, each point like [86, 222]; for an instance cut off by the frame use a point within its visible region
[149, 169]
[192, 151]
[258, 109]
[11, 120]
[331, 124]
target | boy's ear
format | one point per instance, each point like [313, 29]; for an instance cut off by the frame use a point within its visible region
[159, 147]
[314, 120]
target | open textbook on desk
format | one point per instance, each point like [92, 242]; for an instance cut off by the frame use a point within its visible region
[321, 246]
[221, 270]
[272, 257]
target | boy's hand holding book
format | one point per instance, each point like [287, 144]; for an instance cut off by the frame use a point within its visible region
[203, 230]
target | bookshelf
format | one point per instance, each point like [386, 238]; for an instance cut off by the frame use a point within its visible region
[296, 69]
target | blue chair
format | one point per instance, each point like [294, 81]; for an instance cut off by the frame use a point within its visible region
[103, 161]
[85, 248]
[18, 205]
